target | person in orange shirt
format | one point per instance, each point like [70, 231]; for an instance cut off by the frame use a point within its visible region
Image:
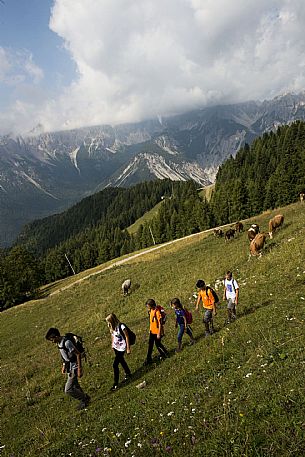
[208, 302]
[156, 332]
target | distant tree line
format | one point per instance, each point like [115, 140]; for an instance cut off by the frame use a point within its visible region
[265, 175]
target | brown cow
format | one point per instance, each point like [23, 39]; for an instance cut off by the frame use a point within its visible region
[253, 231]
[275, 223]
[229, 234]
[302, 197]
[257, 244]
[218, 233]
[239, 227]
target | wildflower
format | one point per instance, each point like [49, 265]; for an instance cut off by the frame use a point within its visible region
[127, 442]
[248, 375]
[161, 433]
[170, 413]
[140, 445]
[175, 430]
[104, 429]
[193, 410]
[118, 434]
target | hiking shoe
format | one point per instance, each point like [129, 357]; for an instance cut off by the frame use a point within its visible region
[114, 387]
[212, 331]
[127, 377]
[147, 362]
[207, 333]
[87, 399]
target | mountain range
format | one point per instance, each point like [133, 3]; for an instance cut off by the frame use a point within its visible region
[45, 173]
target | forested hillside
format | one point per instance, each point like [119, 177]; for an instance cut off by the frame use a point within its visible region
[265, 175]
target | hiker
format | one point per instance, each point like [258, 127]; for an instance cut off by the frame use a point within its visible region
[120, 345]
[231, 293]
[156, 332]
[206, 296]
[126, 286]
[181, 321]
[72, 365]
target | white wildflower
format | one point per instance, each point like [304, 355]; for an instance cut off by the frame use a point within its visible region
[128, 442]
[170, 413]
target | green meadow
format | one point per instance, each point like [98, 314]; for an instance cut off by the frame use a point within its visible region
[239, 392]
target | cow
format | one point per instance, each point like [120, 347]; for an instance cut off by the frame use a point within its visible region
[257, 244]
[274, 223]
[302, 197]
[218, 233]
[253, 231]
[229, 234]
[126, 286]
[239, 227]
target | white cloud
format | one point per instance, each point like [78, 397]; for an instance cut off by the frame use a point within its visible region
[18, 66]
[140, 58]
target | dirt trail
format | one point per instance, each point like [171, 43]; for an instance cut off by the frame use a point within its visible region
[127, 259]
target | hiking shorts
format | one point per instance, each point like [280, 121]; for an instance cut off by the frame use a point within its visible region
[208, 315]
[231, 304]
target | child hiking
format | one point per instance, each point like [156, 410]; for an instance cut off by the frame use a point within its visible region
[120, 345]
[156, 332]
[231, 293]
[181, 322]
[206, 296]
[72, 365]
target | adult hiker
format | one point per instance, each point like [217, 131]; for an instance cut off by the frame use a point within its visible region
[120, 344]
[156, 331]
[72, 365]
[206, 296]
[231, 293]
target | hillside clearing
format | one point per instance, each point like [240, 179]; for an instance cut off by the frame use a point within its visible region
[238, 392]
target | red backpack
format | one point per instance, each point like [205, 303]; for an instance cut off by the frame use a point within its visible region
[188, 316]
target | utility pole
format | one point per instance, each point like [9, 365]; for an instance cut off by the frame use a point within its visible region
[152, 235]
[70, 264]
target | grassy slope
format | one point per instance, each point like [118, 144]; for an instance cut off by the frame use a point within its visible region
[238, 392]
[132, 229]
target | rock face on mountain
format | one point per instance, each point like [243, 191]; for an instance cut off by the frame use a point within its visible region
[46, 173]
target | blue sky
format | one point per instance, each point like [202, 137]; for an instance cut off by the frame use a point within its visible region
[24, 28]
[70, 63]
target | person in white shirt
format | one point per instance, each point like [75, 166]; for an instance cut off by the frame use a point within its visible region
[231, 293]
[120, 345]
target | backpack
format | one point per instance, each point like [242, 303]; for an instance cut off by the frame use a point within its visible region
[77, 341]
[131, 335]
[163, 314]
[188, 316]
[215, 296]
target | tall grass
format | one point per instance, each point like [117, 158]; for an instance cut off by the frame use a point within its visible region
[239, 392]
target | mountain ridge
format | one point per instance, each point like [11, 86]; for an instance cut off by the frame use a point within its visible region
[44, 174]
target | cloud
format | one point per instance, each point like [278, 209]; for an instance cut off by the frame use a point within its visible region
[18, 66]
[136, 59]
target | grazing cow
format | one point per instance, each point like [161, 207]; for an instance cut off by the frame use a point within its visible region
[239, 227]
[126, 286]
[253, 231]
[257, 244]
[274, 223]
[218, 233]
[302, 197]
[229, 234]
